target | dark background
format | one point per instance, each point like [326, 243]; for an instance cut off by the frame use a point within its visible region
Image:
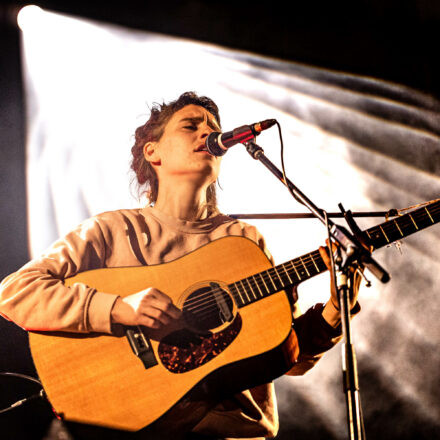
[392, 40]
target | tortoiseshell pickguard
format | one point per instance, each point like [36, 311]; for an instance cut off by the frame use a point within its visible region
[184, 350]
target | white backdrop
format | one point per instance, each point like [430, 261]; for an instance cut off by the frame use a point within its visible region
[366, 143]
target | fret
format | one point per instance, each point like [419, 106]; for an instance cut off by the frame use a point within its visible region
[429, 215]
[268, 273]
[411, 217]
[405, 226]
[423, 218]
[252, 290]
[320, 262]
[434, 210]
[287, 273]
[385, 235]
[264, 282]
[308, 262]
[397, 224]
[235, 287]
[278, 275]
[258, 287]
[305, 267]
[377, 237]
[311, 256]
[241, 296]
[297, 274]
[245, 291]
[371, 238]
[392, 232]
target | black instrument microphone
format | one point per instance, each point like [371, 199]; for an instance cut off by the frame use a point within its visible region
[218, 143]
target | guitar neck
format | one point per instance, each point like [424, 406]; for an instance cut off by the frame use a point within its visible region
[293, 272]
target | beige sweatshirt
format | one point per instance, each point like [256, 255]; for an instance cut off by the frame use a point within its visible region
[36, 298]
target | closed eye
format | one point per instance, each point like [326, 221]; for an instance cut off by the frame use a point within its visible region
[191, 127]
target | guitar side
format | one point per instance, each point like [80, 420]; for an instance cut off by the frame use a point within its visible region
[97, 379]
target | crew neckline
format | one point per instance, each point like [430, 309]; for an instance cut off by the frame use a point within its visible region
[192, 227]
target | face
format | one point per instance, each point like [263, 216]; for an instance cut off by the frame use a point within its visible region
[180, 151]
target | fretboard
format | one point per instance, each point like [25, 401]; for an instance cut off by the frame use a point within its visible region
[293, 272]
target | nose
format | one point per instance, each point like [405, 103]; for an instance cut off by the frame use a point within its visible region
[205, 130]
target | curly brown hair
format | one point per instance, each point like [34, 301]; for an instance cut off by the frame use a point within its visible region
[153, 130]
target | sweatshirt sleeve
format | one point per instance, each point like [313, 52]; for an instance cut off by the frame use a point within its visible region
[36, 298]
[315, 337]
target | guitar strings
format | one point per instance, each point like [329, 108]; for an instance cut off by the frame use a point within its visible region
[206, 302]
[271, 276]
[405, 222]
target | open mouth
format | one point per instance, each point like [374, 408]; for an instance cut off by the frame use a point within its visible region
[201, 148]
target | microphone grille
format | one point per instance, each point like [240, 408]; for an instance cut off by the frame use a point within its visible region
[213, 146]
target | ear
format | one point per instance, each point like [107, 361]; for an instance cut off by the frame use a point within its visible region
[151, 154]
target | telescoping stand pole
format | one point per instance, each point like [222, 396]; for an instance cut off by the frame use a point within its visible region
[344, 280]
[353, 252]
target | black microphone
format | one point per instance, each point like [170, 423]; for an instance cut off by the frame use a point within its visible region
[218, 143]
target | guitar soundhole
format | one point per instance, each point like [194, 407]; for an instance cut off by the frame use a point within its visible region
[208, 312]
[207, 308]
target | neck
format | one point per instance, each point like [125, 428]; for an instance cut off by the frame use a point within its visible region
[186, 201]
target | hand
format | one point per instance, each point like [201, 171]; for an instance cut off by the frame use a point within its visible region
[150, 308]
[354, 281]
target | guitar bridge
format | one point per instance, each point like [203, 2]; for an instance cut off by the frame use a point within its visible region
[141, 346]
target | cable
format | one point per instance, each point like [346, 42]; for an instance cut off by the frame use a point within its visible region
[282, 164]
[41, 394]
[332, 260]
[22, 376]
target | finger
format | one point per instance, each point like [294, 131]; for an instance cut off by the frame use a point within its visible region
[157, 315]
[356, 278]
[149, 322]
[159, 300]
[334, 245]
[325, 256]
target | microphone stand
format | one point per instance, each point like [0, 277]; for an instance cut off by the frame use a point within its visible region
[354, 251]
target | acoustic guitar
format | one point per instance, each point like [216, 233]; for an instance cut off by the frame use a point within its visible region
[236, 331]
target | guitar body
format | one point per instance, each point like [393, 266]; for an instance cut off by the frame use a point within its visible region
[97, 379]
[235, 333]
